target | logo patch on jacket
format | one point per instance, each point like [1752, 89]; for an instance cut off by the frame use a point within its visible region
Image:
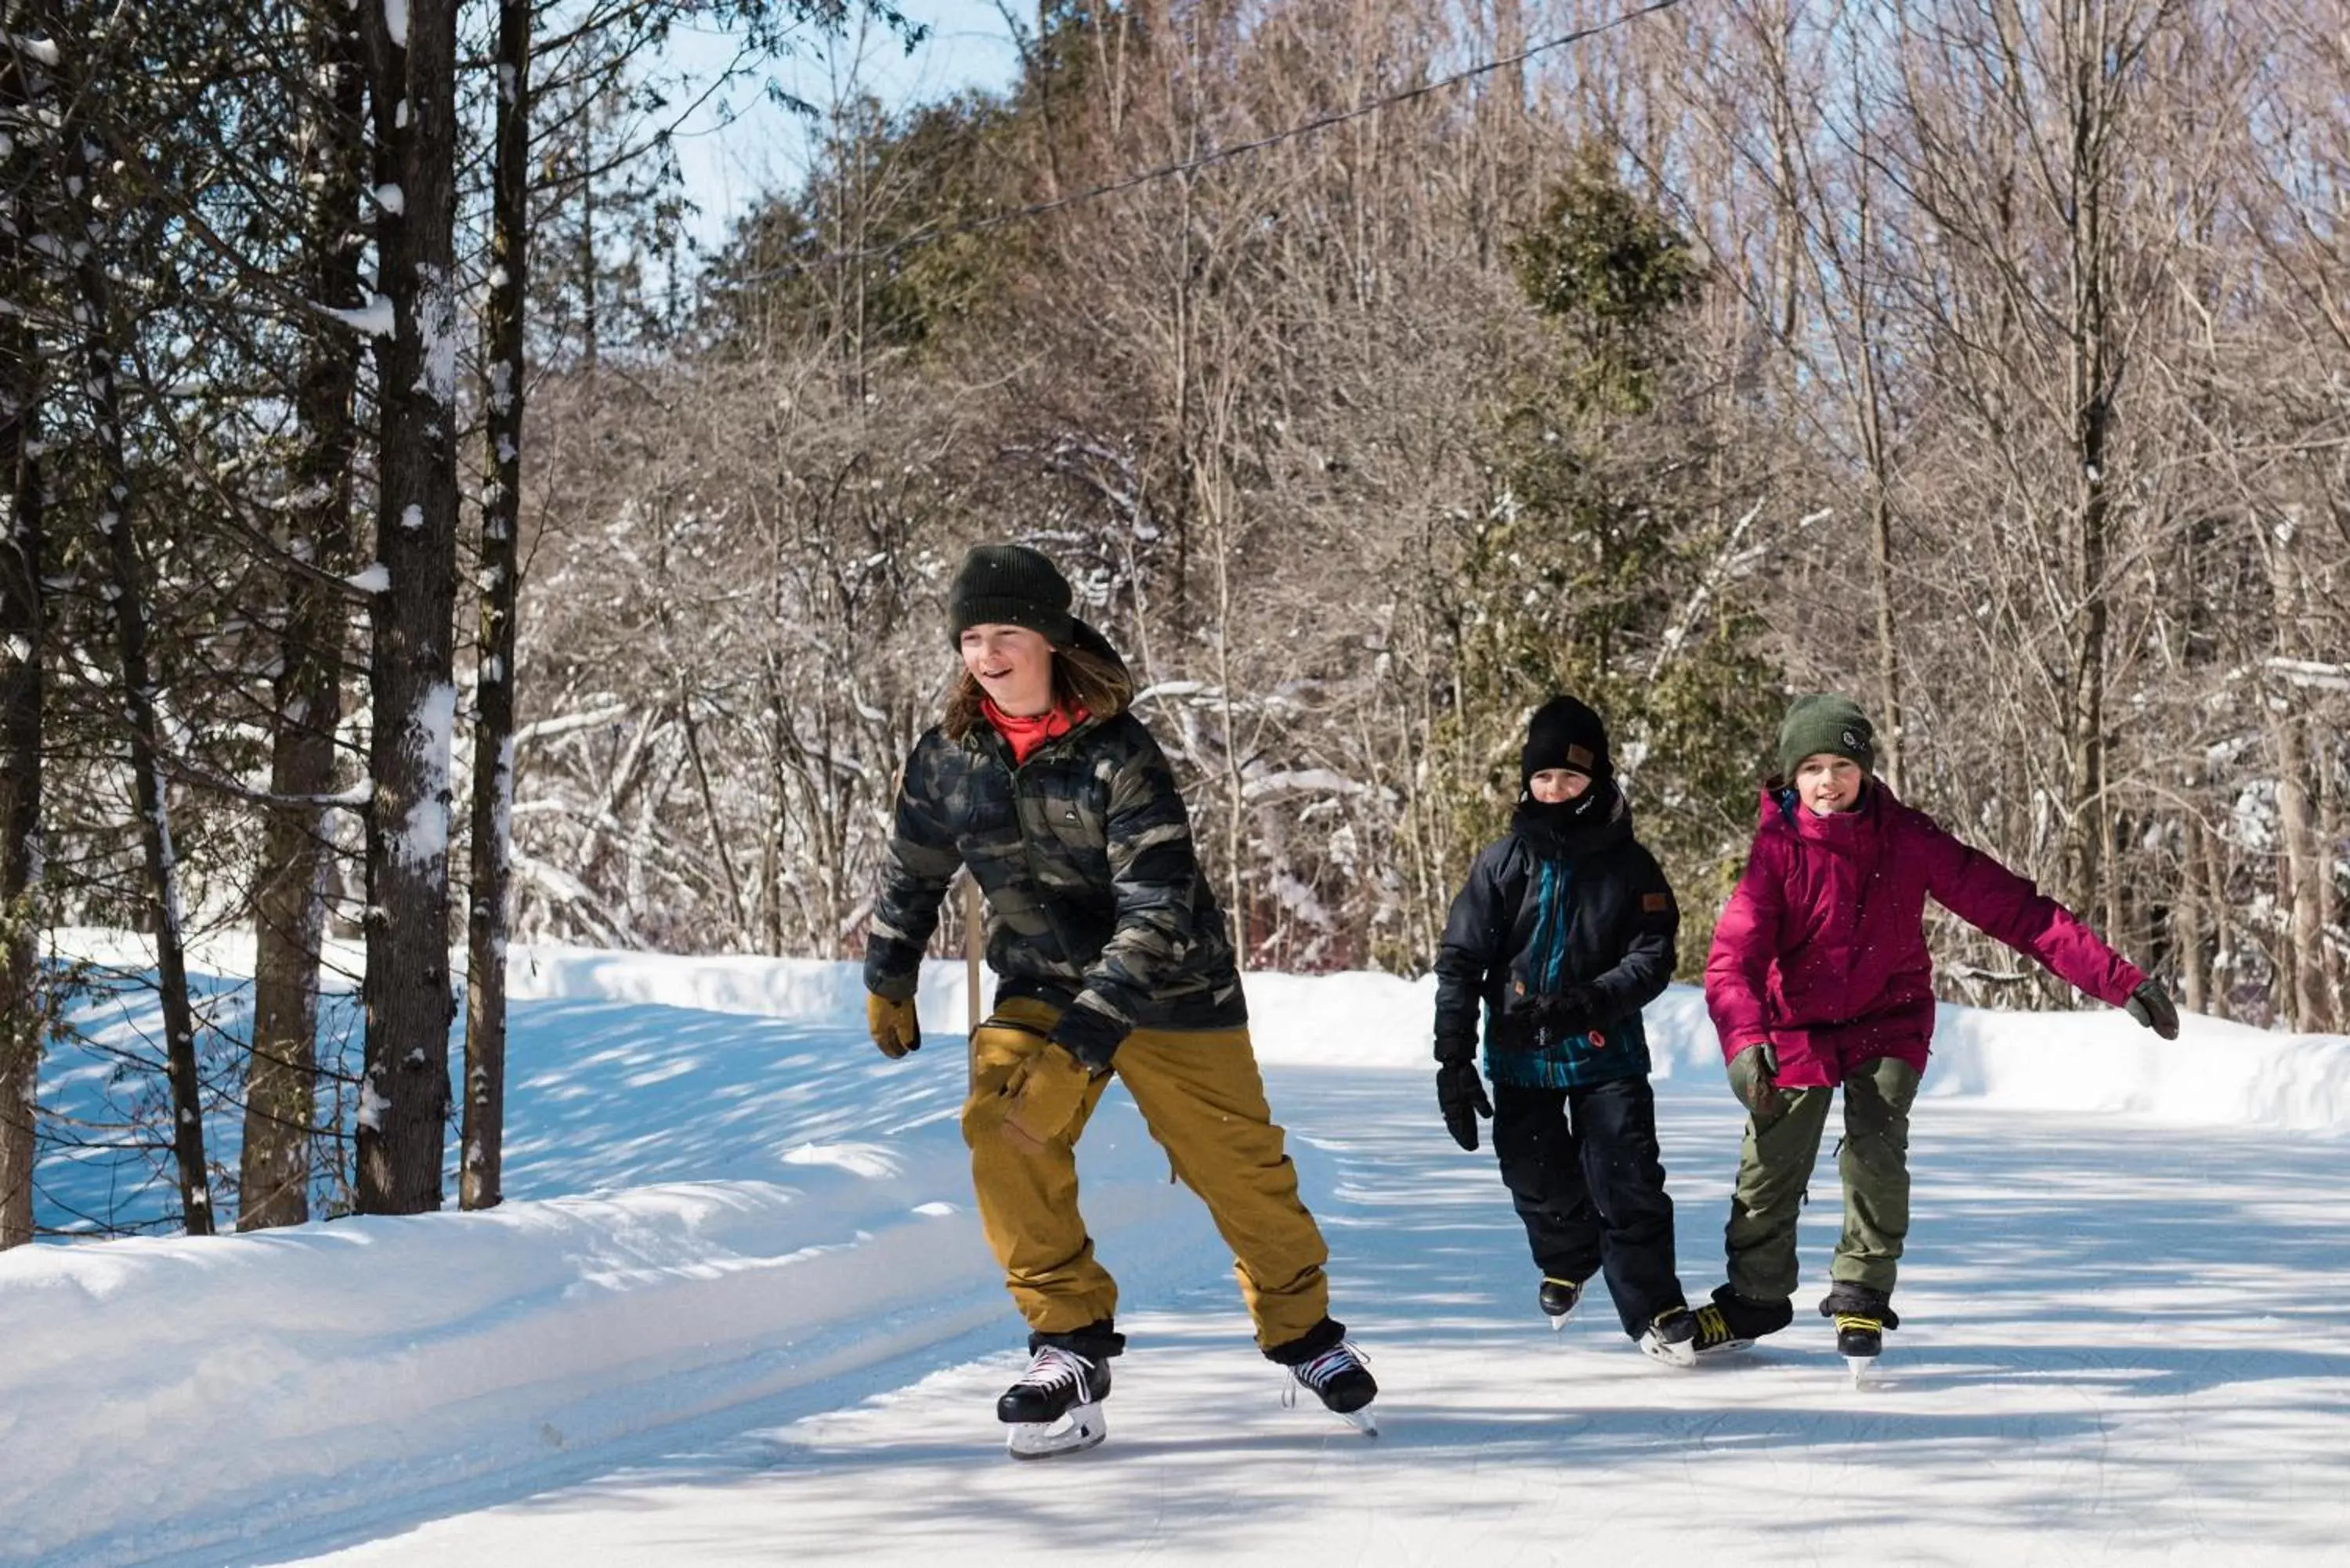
[1655, 903]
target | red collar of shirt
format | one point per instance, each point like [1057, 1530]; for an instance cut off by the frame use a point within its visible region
[1025, 733]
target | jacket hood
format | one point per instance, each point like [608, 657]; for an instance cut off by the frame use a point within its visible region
[1782, 811]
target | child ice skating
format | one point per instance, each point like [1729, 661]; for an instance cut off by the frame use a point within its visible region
[1819, 978]
[1563, 933]
[1113, 958]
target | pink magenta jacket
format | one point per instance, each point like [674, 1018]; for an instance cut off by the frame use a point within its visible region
[1822, 951]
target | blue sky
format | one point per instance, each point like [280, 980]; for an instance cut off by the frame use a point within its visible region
[729, 157]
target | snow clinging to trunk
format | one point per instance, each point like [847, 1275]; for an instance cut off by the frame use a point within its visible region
[422, 841]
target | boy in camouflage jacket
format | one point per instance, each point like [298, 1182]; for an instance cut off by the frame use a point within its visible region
[1112, 959]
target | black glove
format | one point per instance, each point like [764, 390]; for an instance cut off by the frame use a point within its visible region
[1556, 1013]
[1754, 1079]
[1574, 1011]
[2150, 1005]
[1461, 1095]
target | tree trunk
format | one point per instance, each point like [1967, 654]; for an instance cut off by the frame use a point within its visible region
[2301, 988]
[2188, 936]
[2091, 829]
[2224, 966]
[21, 669]
[289, 892]
[2301, 991]
[404, 1099]
[2332, 840]
[128, 589]
[484, 1139]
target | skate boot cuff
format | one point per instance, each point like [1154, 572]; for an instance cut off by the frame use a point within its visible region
[1749, 1318]
[1322, 1337]
[1095, 1342]
[1844, 1300]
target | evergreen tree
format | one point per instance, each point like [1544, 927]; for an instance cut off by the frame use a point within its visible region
[1606, 563]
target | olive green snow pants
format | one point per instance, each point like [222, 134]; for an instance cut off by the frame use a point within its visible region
[1203, 1101]
[1774, 1169]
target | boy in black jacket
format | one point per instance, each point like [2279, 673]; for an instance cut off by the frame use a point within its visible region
[1563, 934]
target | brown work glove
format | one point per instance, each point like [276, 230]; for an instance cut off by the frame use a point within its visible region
[892, 1024]
[1042, 1096]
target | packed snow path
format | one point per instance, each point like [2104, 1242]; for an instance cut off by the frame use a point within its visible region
[2120, 1345]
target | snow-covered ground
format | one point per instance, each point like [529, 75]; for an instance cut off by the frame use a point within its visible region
[738, 1308]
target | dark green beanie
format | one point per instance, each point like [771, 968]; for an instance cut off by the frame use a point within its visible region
[1827, 724]
[1009, 585]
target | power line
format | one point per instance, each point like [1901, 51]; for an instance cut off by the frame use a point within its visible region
[1205, 159]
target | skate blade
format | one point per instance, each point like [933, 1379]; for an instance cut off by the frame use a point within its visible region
[1559, 1324]
[1863, 1370]
[1081, 1427]
[1727, 1348]
[1683, 1355]
[1362, 1421]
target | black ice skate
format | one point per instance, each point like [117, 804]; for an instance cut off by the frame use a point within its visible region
[1054, 1406]
[1861, 1315]
[1339, 1379]
[1557, 1298]
[1671, 1337]
[1732, 1322]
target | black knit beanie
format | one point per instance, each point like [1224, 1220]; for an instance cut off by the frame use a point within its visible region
[1827, 725]
[1564, 733]
[1009, 585]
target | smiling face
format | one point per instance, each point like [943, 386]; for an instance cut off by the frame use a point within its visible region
[1013, 665]
[1828, 784]
[1553, 786]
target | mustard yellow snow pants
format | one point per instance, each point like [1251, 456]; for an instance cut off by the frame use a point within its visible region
[1203, 1101]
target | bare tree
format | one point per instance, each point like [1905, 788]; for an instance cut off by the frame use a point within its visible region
[289, 896]
[23, 638]
[117, 522]
[405, 1095]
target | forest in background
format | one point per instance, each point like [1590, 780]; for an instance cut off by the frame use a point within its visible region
[413, 539]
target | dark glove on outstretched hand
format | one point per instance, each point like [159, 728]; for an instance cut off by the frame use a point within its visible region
[1461, 1095]
[2150, 1005]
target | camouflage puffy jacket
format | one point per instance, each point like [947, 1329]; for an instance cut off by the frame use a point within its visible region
[1095, 899]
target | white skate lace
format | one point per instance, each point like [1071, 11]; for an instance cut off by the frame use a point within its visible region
[1340, 1357]
[1054, 1366]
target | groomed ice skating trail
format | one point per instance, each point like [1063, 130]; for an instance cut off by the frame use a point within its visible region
[2118, 1341]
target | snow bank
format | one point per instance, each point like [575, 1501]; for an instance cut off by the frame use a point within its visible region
[2214, 1074]
[2099, 1059]
[283, 1374]
[172, 1395]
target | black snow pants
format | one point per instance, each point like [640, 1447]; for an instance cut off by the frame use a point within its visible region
[1583, 1168]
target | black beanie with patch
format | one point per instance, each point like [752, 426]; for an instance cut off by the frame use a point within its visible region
[1009, 585]
[1564, 733]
